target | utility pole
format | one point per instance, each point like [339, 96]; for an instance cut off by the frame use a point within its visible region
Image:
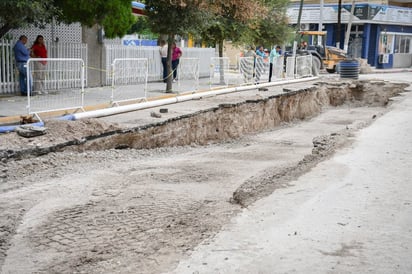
[347, 35]
[320, 22]
[338, 36]
[297, 36]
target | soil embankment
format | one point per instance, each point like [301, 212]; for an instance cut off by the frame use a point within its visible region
[222, 122]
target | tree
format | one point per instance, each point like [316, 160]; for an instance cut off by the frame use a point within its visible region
[113, 15]
[21, 13]
[211, 19]
[141, 26]
[270, 27]
[229, 19]
[171, 18]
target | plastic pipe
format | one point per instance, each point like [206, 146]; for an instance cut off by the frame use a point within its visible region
[178, 98]
[5, 129]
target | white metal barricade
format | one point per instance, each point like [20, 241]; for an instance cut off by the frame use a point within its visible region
[303, 66]
[261, 69]
[290, 67]
[246, 68]
[54, 84]
[188, 70]
[278, 68]
[219, 67]
[129, 79]
[299, 67]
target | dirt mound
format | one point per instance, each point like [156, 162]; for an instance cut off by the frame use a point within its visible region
[59, 133]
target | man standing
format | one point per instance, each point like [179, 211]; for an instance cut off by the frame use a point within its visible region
[22, 55]
[259, 63]
[275, 53]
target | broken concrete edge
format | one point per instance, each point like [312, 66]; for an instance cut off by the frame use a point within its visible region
[324, 147]
[249, 192]
[37, 151]
[29, 130]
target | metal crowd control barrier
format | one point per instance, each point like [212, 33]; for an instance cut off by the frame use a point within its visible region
[290, 67]
[188, 69]
[219, 67]
[299, 67]
[246, 69]
[129, 79]
[261, 70]
[278, 68]
[222, 75]
[58, 84]
[303, 66]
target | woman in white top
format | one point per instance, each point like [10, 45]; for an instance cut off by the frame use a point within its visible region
[163, 55]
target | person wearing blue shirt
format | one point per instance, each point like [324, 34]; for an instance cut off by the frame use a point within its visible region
[22, 55]
[276, 52]
[260, 56]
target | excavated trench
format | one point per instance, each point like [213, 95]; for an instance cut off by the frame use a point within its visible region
[229, 121]
[223, 122]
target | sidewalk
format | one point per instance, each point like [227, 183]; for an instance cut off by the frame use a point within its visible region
[12, 107]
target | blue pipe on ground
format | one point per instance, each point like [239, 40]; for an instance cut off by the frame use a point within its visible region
[6, 129]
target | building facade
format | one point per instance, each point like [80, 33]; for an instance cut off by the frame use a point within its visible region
[380, 32]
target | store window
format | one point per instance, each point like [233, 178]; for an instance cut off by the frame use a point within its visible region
[386, 43]
[402, 44]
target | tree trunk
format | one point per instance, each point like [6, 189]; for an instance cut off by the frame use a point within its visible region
[95, 77]
[170, 41]
[4, 29]
[221, 63]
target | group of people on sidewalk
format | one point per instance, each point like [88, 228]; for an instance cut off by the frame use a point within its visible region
[22, 55]
[263, 55]
[38, 50]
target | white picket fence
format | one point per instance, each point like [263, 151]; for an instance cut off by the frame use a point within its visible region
[299, 67]
[113, 52]
[9, 73]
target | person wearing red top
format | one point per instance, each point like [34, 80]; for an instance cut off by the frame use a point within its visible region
[176, 54]
[39, 50]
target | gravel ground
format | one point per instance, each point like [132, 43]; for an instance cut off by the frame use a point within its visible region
[142, 211]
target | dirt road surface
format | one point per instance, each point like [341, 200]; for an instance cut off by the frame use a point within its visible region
[349, 214]
[161, 210]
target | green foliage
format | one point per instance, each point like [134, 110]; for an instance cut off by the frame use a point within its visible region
[166, 17]
[226, 23]
[113, 15]
[21, 13]
[270, 28]
[141, 26]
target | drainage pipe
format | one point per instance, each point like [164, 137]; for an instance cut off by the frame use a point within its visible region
[5, 129]
[178, 98]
